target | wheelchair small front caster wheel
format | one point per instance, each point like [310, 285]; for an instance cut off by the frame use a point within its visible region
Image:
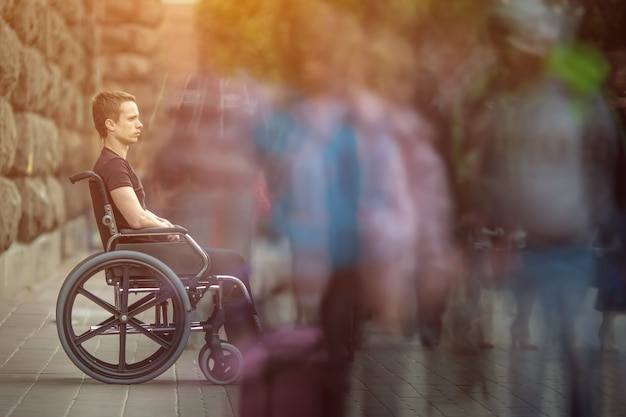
[221, 369]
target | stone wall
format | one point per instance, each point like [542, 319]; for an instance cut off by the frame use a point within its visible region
[131, 59]
[54, 56]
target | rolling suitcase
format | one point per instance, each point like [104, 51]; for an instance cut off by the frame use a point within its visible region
[288, 373]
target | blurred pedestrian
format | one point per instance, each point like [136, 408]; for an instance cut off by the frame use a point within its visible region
[314, 204]
[436, 254]
[464, 69]
[552, 148]
[611, 264]
[552, 140]
[386, 215]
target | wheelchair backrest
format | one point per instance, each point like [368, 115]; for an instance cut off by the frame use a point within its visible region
[101, 204]
[103, 211]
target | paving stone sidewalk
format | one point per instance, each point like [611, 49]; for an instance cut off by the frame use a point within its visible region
[391, 376]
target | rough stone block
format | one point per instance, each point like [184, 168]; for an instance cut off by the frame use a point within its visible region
[38, 214]
[92, 81]
[56, 30]
[25, 123]
[33, 83]
[10, 60]
[55, 92]
[25, 21]
[72, 10]
[87, 37]
[71, 60]
[7, 8]
[10, 212]
[74, 146]
[144, 12]
[8, 136]
[57, 199]
[77, 198]
[129, 38]
[72, 109]
[40, 149]
[80, 154]
[126, 66]
[49, 147]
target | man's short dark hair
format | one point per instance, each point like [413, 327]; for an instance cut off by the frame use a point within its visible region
[106, 105]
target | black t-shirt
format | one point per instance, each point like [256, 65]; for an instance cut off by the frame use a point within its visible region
[116, 172]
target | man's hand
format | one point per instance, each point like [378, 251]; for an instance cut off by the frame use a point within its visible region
[171, 238]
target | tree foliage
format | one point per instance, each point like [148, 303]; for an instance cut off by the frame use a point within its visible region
[374, 41]
[270, 39]
[239, 35]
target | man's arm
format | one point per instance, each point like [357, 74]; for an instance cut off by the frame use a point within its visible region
[127, 203]
[169, 224]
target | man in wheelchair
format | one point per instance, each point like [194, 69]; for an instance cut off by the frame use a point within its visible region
[116, 118]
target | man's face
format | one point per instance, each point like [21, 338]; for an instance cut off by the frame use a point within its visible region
[127, 128]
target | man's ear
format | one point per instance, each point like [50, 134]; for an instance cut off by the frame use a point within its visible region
[109, 124]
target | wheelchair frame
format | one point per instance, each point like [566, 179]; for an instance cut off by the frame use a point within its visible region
[142, 293]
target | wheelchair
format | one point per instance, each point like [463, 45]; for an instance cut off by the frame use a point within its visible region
[123, 315]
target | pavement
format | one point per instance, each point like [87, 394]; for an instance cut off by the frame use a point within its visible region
[391, 376]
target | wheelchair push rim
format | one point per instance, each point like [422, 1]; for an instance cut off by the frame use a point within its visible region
[123, 317]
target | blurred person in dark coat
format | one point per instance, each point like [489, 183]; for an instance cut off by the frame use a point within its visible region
[611, 242]
[552, 143]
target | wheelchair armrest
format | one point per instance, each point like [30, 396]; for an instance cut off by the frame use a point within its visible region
[83, 175]
[176, 230]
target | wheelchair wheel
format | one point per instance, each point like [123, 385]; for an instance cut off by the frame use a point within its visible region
[221, 368]
[123, 317]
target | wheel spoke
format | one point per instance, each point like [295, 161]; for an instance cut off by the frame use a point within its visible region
[102, 327]
[219, 368]
[138, 308]
[124, 290]
[137, 325]
[97, 300]
[121, 364]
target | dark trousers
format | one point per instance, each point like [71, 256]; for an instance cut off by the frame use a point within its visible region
[340, 321]
[241, 319]
[431, 307]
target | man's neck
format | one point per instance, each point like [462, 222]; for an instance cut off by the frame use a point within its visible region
[119, 148]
